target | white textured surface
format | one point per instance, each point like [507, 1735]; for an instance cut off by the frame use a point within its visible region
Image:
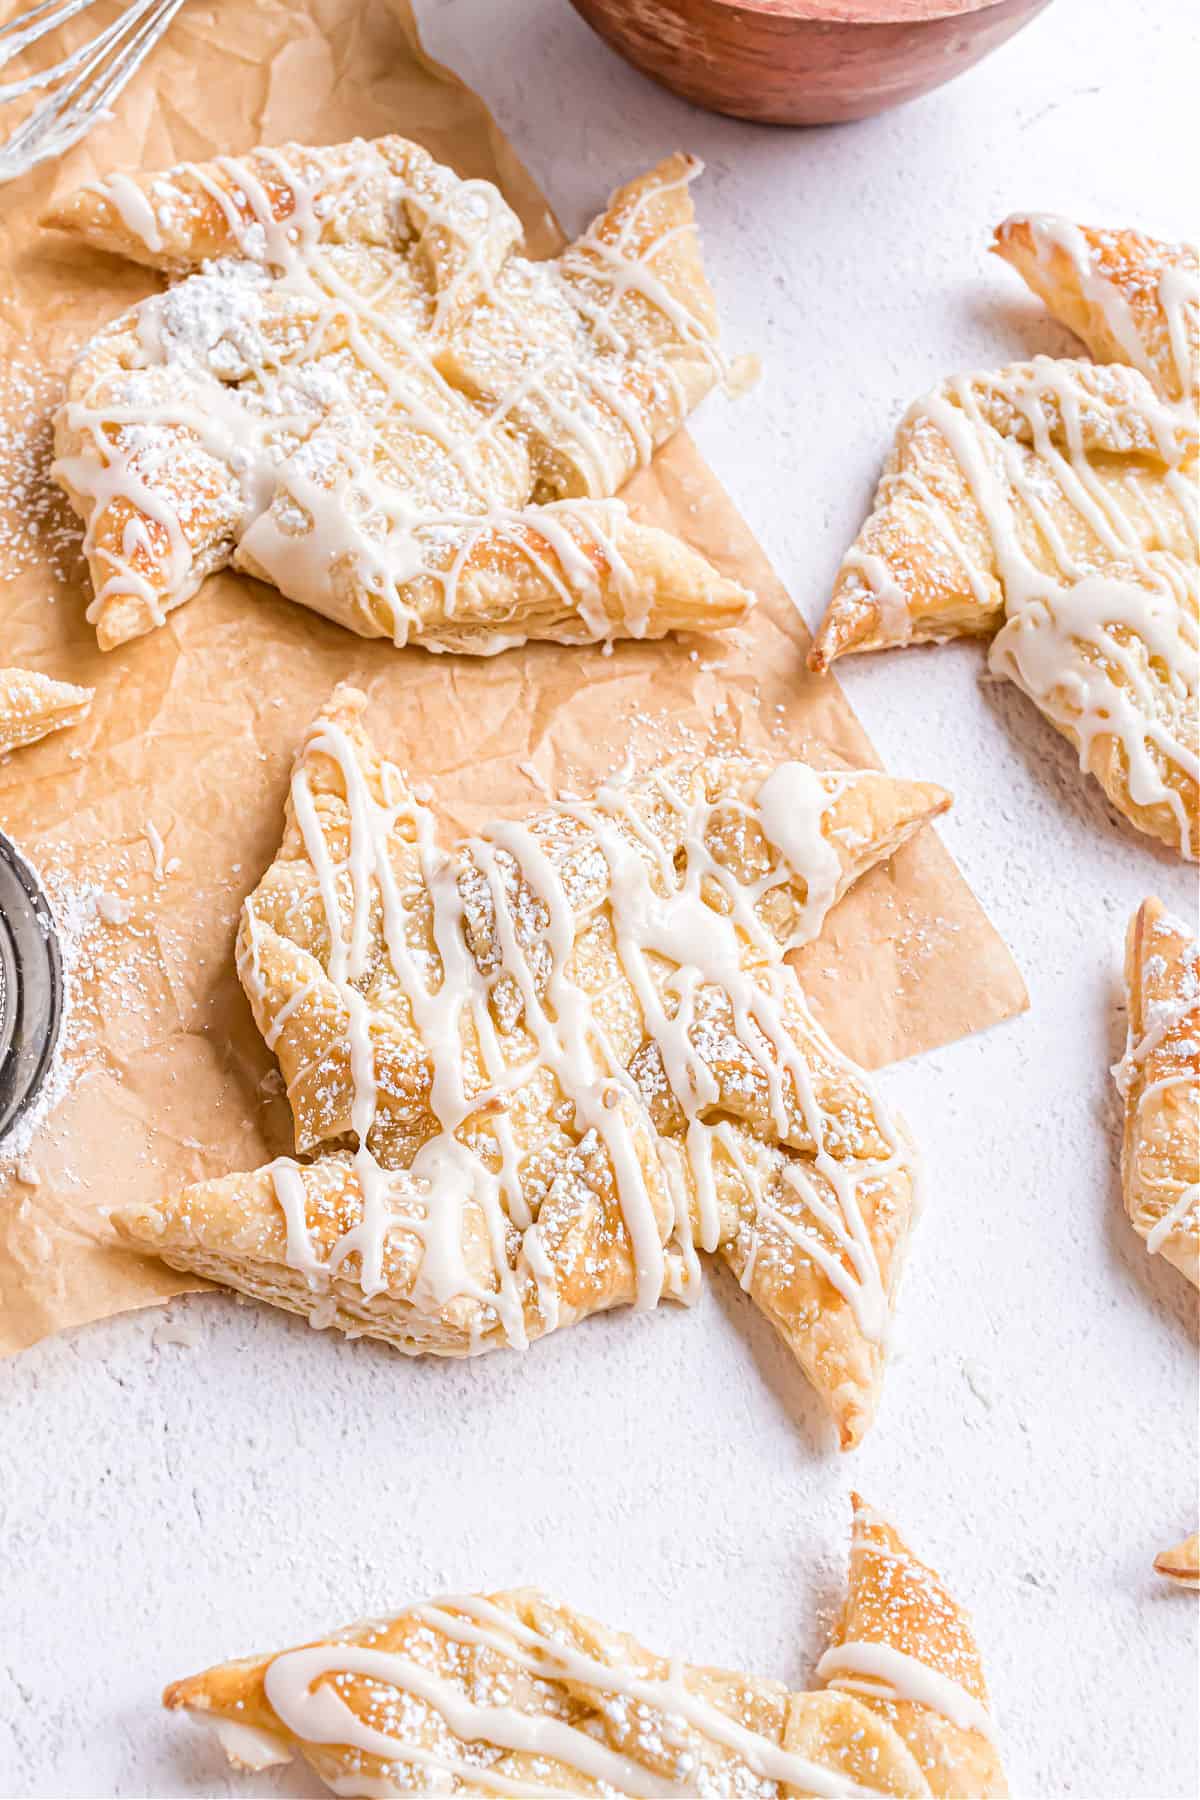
[164, 1504]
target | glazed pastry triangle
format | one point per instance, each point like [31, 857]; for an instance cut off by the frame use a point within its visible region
[358, 390]
[1159, 1080]
[33, 705]
[515, 1693]
[1052, 507]
[536, 1074]
[1182, 1564]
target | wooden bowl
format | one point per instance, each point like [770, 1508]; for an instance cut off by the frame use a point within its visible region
[804, 62]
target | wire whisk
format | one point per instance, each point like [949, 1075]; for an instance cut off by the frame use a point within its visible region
[82, 85]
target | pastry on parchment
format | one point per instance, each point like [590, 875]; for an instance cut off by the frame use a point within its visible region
[538, 1073]
[32, 705]
[515, 1693]
[1159, 1080]
[356, 388]
[1182, 1564]
[1052, 507]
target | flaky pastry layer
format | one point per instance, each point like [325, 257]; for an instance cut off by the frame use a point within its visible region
[537, 1075]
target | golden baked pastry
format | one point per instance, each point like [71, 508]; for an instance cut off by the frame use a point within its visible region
[538, 1073]
[1159, 1080]
[33, 705]
[1131, 298]
[357, 389]
[1052, 507]
[1182, 1564]
[517, 1694]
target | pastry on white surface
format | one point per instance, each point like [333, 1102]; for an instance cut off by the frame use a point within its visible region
[538, 1073]
[515, 1693]
[1131, 298]
[33, 705]
[357, 389]
[1182, 1564]
[1159, 1081]
[1052, 507]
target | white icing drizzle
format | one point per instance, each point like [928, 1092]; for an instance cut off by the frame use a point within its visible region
[791, 804]
[698, 920]
[312, 1708]
[882, 1673]
[233, 392]
[136, 212]
[1178, 294]
[1162, 1017]
[1108, 649]
[1101, 608]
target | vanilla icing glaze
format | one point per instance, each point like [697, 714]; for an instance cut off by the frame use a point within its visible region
[1086, 483]
[1162, 1019]
[685, 928]
[1113, 651]
[475, 1680]
[1104, 639]
[358, 400]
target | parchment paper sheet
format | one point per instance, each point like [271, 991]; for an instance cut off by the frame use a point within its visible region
[194, 727]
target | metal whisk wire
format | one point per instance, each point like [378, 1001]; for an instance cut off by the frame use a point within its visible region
[84, 83]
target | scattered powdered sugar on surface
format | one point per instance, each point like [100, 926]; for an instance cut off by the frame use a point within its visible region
[178, 1328]
[87, 917]
[38, 530]
[74, 914]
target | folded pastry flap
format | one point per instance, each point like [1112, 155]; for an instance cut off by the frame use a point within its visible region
[33, 704]
[186, 215]
[896, 1604]
[829, 1302]
[1157, 951]
[260, 1232]
[925, 565]
[653, 213]
[756, 1703]
[1131, 298]
[167, 562]
[620, 357]
[922, 568]
[193, 728]
[837, 1732]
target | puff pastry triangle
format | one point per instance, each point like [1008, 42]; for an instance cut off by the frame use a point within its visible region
[1052, 506]
[1159, 1080]
[1182, 1564]
[537, 1073]
[358, 390]
[515, 1693]
[32, 705]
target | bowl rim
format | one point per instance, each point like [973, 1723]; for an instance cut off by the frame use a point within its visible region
[851, 12]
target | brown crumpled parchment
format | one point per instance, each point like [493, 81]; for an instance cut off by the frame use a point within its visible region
[168, 801]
